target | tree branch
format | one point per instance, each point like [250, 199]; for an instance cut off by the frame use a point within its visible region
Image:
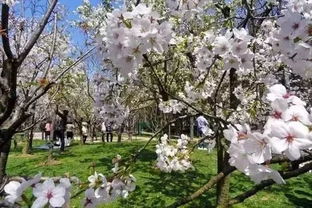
[263, 184]
[34, 37]
[51, 84]
[32, 125]
[136, 155]
[210, 184]
[74, 64]
[5, 33]
[51, 54]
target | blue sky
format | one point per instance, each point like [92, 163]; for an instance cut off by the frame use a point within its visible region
[71, 6]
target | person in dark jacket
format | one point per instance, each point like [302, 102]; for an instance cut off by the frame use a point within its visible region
[109, 132]
[62, 127]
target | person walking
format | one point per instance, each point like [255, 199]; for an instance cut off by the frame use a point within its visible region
[69, 133]
[84, 131]
[103, 130]
[109, 133]
[62, 126]
[47, 130]
[203, 129]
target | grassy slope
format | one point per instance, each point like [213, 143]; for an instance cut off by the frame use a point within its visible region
[156, 189]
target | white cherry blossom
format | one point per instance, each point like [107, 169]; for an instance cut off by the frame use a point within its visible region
[258, 148]
[289, 138]
[48, 193]
[15, 189]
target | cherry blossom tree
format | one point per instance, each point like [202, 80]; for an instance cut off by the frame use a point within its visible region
[221, 67]
[33, 60]
[232, 62]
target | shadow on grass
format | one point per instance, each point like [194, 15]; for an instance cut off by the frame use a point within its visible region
[158, 188]
[154, 188]
[298, 191]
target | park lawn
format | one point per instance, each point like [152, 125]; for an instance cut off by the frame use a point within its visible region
[156, 189]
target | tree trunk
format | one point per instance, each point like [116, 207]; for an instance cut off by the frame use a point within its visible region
[6, 136]
[130, 128]
[80, 133]
[29, 141]
[130, 134]
[120, 131]
[119, 136]
[223, 186]
[26, 148]
[192, 127]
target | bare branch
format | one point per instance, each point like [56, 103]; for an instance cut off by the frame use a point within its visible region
[88, 85]
[34, 37]
[74, 64]
[51, 54]
[32, 125]
[217, 91]
[208, 71]
[35, 97]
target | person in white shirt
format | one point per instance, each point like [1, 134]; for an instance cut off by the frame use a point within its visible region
[69, 133]
[204, 131]
[202, 125]
[103, 129]
[84, 132]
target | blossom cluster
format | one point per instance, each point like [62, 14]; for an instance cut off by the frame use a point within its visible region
[186, 5]
[108, 102]
[46, 193]
[233, 47]
[101, 191]
[57, 192]
[286, 132]
[292, 38]
[130, 34]
[173, 157]
[171, 106]
[91, 17]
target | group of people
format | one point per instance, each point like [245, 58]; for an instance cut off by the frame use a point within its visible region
[108, 130]
[63, 130]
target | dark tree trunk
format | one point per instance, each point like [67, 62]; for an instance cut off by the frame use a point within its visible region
[119, 136]
[192, 127]
[223, 186]
[27, 148]
[120, 131]
[8, 90]
[29, 140]
[80, 132]
[5, 136]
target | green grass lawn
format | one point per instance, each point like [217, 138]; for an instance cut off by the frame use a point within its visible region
[156, 189]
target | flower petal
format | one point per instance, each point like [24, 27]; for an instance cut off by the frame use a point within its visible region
[293, 153]
[278, 145]
[57, 201]
[40, 202]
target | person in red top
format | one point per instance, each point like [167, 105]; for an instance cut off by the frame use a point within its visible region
[48, 129]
